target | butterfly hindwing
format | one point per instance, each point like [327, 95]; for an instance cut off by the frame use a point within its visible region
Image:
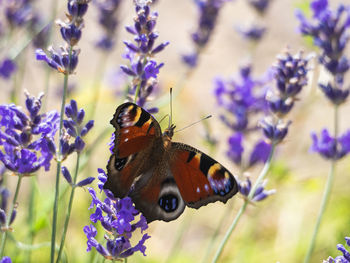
[157, 196]
[137, 134]
[200, 179]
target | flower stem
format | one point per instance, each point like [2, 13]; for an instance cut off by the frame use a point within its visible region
[326, 194]
[9, 215]
[70, 204]
[59, 163]
[100, 70]
[229, 232]
[262, 175]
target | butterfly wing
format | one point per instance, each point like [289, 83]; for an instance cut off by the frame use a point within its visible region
[200, 179]
[136, 137]
[184, 176]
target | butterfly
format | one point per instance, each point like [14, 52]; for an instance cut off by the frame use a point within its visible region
[161, 177]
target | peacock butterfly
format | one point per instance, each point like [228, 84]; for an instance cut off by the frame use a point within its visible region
[159, 175]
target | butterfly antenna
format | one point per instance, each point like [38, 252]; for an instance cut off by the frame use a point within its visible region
[171, 107]
[205, 118]
[162, 119]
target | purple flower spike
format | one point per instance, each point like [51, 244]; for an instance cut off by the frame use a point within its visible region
[208, 13]
[66, 174]
[143, 69]
[7, 68]
[345, 258]
[260, 153]
[6, 260]
[27, 139]
[86, 181]
[236, 149]
[260, 193]
[329, 30]
[120, 219]
[74, 129]
[330, 148]
[253, 32]
[59, 60]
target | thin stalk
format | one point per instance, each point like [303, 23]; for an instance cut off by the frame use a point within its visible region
[54, 7]
[9, 215]
[215, 235]
[262, 175]
[31, 215]
[101, 68]
[59, 164]
[326, 194]
[70, 204]
[137, 92]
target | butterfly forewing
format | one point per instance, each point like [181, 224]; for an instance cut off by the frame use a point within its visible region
[136, 134]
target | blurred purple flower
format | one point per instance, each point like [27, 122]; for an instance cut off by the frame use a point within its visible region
[345, 258]
[108, 10]
[235, 148]
[7, 68]
[241, 97]
[6, 260]
[329, 147]
[118, 218]
[259, 5]
[328, 29]
[4, 195]
[253, 33]
[208, 14]
[260, 153]
[260, 193]
[26, 139]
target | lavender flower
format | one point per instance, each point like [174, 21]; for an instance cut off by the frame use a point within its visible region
[253, 32]
[4, 195]
[6, 260]
[143, 69]
[259, 5]
[118, 218]
[74, 131]
[209, 12]
[7, 68]
[329, 30]
[26, 139]
[66, 60]
[330, 147]
[291, 76]
[108, 20]
[260, 192]
[345, 258]
[19, 13]
[243, 98]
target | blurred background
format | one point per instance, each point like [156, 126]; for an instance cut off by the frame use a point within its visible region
[277, 229]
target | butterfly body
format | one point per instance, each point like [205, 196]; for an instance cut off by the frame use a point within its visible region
[162, 177]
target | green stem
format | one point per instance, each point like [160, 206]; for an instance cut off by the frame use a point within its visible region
[31, 215]
[137, 92]
[59, 164]
[9, 215]
[49, 69]
[229, 232]
[215, 235]
[326, 194]
[244, 206]
[70, 204]
[101, 67]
